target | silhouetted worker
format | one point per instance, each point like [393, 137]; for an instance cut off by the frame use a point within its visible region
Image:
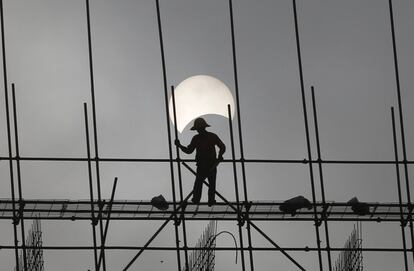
[205, 145]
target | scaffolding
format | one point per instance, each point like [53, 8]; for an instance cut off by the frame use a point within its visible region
[242, 211]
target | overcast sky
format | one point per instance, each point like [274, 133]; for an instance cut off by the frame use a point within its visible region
[347, 57]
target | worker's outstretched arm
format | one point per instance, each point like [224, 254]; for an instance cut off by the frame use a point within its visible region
[189, 149]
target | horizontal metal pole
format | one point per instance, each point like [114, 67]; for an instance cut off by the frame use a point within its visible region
[191, 218]
[253, 213]
[167, 160]
[142, 202]
[167, 248]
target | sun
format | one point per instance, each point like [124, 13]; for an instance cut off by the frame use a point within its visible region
[200, 95]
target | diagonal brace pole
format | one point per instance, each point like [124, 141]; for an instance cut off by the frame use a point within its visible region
[184, 203]
[107, 220]
[249, 222]
[180, 206]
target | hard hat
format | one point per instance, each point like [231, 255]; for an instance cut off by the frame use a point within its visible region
[199, 123]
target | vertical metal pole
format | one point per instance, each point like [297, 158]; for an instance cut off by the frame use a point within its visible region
[236, 187]
[9, 140]
[95, 133]
[108, 218]
[400, 111]
[318, 146]
[307, 135]
[19, 178]
[164, 77]
[179, 177]
[236, 84]
[397, 169]
[93, 220]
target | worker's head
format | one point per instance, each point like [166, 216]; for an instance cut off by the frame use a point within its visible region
[199, 125]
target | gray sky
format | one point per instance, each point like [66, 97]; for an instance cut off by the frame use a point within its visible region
[347, 56]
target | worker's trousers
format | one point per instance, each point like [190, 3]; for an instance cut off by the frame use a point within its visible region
[198, 185]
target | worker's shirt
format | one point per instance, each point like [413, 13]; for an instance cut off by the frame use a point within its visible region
[204, 144]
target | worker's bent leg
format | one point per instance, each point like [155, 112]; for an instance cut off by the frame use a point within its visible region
[212, 186]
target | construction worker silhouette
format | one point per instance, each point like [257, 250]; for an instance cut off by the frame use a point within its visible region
[205, 145]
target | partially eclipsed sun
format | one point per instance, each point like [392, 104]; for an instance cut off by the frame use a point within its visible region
[200, 95]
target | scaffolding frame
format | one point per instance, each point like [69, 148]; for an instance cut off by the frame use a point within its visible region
[101, 212]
